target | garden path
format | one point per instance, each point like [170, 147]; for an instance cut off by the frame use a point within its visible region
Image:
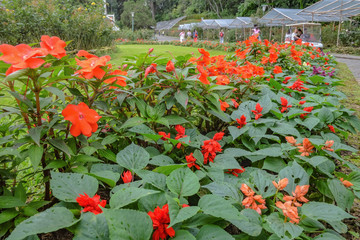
[352, 61]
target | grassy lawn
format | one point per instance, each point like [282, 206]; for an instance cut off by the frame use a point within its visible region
[124, 51]
[351, 89]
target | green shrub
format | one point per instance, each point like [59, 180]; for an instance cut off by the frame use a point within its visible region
[26, 21]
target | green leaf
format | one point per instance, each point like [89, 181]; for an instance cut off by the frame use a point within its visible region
[236, 132]
[183, 235]
[15, 75]
[184, 214]
[108, 177]
[285, 129]
[274, 164]
[182, 98]
[161, 160]
[225, 161]
[56, 164]
[133, 157]
[224, 189]
[68, 186]
[86, 159]
[57, 92]
[269, 152]
[126, 224]
[283, 229]
[35, 134]
[108, 154]
[7, 215]
[61, 145]
[325, 115]
[10, 202]
[328, 236]
[324, 211]
[128, 195]
[183, 182]
[263, 182]
[175, 120]
[158, 180]
[296, 175]
[310, 122]
[168, 168]
[50, 220]
[92, 226]
[343, 196]
[134, 121]
[109, 139]
[20, 192]
[213, 232]
[316, 79]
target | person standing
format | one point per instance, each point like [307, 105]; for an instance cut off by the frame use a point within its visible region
[188, 35]
[221, 35]
[256, 32]
[182, 36]
[195, 36]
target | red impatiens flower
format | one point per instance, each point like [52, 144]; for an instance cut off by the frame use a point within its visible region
[235, 172]
[161, 219]
[190, 159]
[203, 75]
[92, 66]
[302, 102]
[91, 204]
[306, 109]
[257, 111]
[284, 104]
[277, 69]
[83, 53]
[21, 56]
[165, 136]
[127, 177]
[211, 147]
[83, 119]
[331, 128]
[223, 105]
[222, 80]
[180, 134]
[242, 121]
[150, 69]
[170, 66]
[235, 104]
[54, 45]
[117, 80]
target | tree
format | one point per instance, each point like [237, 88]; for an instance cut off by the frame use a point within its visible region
[142, 18]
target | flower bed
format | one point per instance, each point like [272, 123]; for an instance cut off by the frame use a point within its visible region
[226, 147]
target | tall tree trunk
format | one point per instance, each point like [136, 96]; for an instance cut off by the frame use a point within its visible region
[152, 8]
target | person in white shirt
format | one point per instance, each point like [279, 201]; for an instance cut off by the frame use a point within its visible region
[182, 36]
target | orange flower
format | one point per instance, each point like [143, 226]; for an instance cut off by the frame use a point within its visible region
[277, 69]
[118, 80]
[21, 56]
[306, 148]
[328, 146]
[83, 119]
[235, 104]
[298, 195]
[282, 183]
[203, 75]
[150, 69]
[289, 211]
[254, 202]
[205, 57]
[54, 45]
[83, 53]
[292, 141]
[92, 67]
[170, 66]
[346, 182]
[222, 80]
[223, 105]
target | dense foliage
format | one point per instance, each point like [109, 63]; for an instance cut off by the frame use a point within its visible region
[244, 146]
[81, 22]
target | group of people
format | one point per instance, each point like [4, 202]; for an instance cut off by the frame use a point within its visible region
[194, 35]
[189, 35]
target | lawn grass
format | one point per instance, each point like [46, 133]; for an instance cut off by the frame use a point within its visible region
[351, 89]
[124, 51]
